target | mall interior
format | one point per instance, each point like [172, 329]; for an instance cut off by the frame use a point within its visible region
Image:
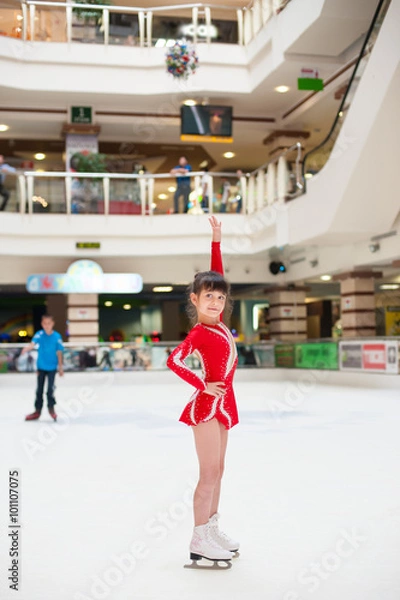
[302, 173]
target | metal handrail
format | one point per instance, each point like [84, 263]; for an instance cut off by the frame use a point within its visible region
[130, 9]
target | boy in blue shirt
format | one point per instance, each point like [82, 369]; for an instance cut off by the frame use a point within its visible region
[50, 358]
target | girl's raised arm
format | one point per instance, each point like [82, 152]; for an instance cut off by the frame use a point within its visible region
[216, 256]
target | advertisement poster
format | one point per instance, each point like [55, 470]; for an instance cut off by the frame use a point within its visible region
[284, 356]
[317, 356]
[373, 356]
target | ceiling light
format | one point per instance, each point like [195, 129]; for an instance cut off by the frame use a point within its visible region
[374, 247]
[127, 307]
[308, 175]
[171, 189]
[19, 17]
[340, 113]
[326, 277]
[189, 102]
[228, 154]
[108, 303]
[389, 286]
[282, 89]
[22, 333]
[4, 127]
[162, 196]
[39, 156]
[163, 288]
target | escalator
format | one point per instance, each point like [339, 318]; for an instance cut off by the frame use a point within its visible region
[353, 192]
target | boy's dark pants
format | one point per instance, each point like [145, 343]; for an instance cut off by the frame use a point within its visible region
[51, 375]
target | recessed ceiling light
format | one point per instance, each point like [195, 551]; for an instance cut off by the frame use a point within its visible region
[282, 89]
[163, 288]
[189, 102]
[127, 307]
[108, 303]
[162, 196]
[228, 154]
[39, 156]
[171, 189]
[4, 127]
[389, 286]
[326, 277]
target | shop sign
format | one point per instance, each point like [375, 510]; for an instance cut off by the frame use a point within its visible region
[84, 277]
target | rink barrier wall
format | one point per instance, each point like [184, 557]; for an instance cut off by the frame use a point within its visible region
[380, 355]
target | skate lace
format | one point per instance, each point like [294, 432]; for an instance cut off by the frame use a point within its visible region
[210, 539]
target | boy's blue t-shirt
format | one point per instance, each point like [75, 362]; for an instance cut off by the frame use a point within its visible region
[49, 345]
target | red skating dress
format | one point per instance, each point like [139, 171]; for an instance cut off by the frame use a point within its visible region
[215, 347]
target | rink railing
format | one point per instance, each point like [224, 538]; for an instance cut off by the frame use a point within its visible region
[377, 355]
[46, 21]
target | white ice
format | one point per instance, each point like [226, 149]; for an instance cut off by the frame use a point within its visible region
[312, 490]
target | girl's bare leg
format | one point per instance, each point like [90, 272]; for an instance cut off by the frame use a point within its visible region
[208, 443]
[217, 489]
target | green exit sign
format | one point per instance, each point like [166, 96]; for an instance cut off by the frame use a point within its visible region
[81, 114]
[88, 245]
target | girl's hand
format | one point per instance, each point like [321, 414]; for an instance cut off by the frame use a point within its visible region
[216, 228]
[216, 389]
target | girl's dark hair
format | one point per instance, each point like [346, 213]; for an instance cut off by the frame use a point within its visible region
[210, 281]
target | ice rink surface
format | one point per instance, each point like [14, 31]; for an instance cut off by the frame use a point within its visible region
[312, 490]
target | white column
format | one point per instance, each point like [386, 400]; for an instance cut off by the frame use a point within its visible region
[248, 33]
[282, 179]
[256, 10]
[68, 194]
[260, 189]
[68, 15]
[271, 184]
[32, 21]
[267, 11]
[207, 14]
[106, 193]
[250, 195]
[106, 26]
[195, 22]
[239, 14]
[29, 185]
[21, 194]
[142, 185]
[149, 28]
[243, 187]
[150, 194]
[141, 28]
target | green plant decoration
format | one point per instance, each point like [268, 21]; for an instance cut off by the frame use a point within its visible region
[86, 14]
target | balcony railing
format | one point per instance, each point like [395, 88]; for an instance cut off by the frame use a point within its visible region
[68, 193]
[38, 20]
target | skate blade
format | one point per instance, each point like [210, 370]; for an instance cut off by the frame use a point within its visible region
[208, 564]
[235, 553]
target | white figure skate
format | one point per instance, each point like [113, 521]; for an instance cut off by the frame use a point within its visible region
[221, 538]
[203, 546]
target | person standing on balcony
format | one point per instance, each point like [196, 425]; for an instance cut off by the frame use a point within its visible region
[182, 184]
[4, 168]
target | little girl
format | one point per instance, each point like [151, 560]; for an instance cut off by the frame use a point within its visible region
[212, 408]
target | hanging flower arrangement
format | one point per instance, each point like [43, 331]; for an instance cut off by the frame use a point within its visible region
[181, 60]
